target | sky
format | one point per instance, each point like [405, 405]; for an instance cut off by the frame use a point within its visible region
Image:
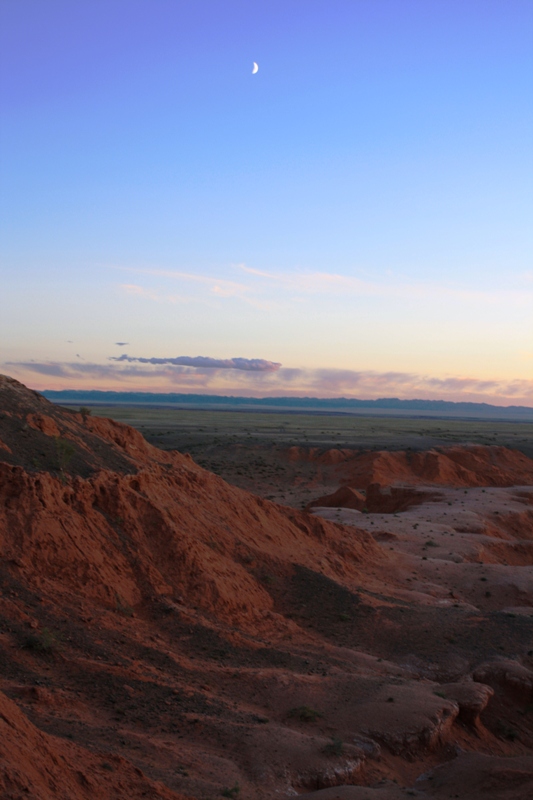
[355, 219]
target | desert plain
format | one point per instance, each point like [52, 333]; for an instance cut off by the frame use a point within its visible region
[201, 604]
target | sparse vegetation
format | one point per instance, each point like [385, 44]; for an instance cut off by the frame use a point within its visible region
[64, 451]
[43, 642]
[305, 714]
[334, 748]
[505, 731]
[121, 607]
[231, 793]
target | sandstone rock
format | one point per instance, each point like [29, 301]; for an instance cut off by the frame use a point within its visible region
[472, 698]
[507, 676]
[44, 423]
[37, 766]
[342, 498]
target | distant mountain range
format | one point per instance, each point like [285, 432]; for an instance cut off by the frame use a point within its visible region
[385, 405]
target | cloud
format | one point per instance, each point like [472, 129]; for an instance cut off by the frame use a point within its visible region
[220, 286]
[406, 385]
[331, 283]
[71, 370]
[204, 362]
[121, 344]
[217, 287]
[163, 375]
[265, 289]
[151, 294]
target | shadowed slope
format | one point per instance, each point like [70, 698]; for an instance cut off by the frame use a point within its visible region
[41, 767]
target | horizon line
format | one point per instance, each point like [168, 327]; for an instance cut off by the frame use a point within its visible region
[269, 399]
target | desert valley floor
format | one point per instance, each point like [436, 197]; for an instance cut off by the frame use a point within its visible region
[252, 606]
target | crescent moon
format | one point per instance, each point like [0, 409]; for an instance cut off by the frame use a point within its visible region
[254, 70]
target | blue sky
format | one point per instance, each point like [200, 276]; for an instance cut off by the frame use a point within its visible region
[359, 211]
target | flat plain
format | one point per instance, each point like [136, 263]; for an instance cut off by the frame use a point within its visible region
[253, 450]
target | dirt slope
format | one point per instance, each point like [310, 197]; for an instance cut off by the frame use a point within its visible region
[37, 766]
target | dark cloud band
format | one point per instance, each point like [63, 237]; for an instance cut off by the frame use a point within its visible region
[204, 362]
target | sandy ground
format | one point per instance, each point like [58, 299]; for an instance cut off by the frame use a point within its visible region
[471, 546]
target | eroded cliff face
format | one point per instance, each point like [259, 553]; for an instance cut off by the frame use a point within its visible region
[165, 634]
[170, 529]
[466, 466]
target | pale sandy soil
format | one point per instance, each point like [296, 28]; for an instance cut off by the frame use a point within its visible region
[471, 546]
